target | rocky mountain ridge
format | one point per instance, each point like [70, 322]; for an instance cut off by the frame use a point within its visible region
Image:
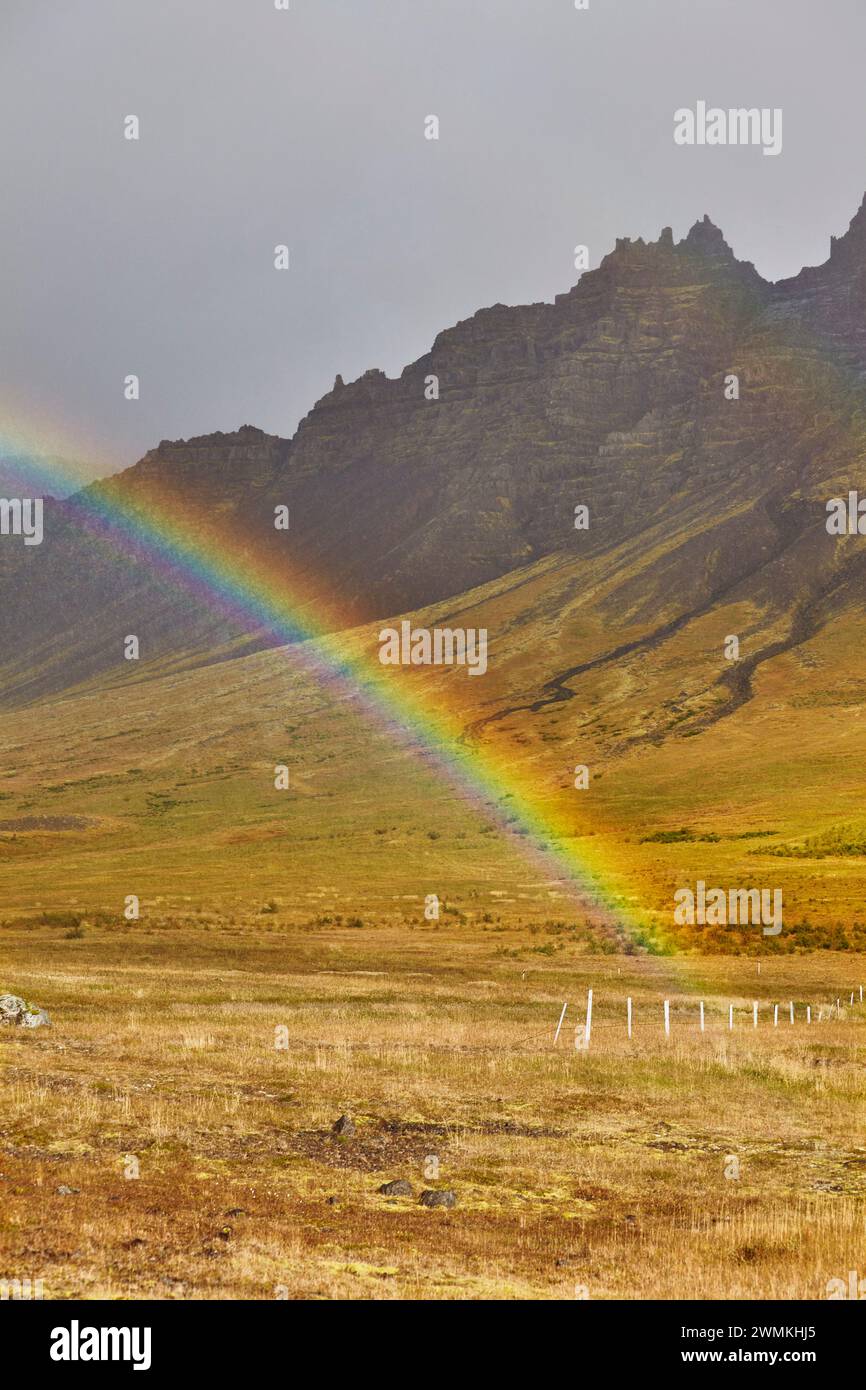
[613, 397]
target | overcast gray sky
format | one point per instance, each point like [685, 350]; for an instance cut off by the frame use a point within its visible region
[260, 127]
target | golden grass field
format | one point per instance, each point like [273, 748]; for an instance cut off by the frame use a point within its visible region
[303, 910]
[162, 785]
[602, 1171]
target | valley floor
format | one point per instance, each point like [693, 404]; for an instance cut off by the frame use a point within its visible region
[172, 1135]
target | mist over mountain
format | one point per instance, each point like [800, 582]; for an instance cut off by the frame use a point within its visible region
[469, 466]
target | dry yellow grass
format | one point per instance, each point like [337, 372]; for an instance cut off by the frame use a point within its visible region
[604, 1170]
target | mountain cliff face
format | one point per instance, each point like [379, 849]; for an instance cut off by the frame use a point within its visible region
[613, 398]
[830, 300]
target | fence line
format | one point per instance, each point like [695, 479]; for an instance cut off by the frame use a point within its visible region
[583, 1031]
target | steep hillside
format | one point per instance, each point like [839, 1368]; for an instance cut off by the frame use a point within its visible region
[164, 787]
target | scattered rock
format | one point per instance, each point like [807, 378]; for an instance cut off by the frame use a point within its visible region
[49, 823]
[398, 1188]
[411, 1127]
[343, 1126]
[16, 1011]
[235, 1211]
[437, 1199]
[64, 1191]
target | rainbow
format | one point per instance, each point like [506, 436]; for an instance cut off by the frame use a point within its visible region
[170, 537]
[172, 540]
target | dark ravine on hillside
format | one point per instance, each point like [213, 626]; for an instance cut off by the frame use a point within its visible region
[612, 396]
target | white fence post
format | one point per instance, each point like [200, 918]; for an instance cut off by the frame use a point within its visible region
[559, 1024]
[730, 1017]
[588, 1015]
[628, 1005]
[792, 1011]
[702, 1015]
[775, 1015]
[755, 1014]
[667, 1018]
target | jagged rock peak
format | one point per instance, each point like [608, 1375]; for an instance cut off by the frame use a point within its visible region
[704, 237]
[707, 237]
[244, 434]
[855, 237]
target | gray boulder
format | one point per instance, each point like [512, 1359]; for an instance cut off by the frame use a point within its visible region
[444, 1198]
[20, 1014]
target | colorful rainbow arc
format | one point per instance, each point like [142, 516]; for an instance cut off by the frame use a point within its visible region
[167, 536]
[164, 535]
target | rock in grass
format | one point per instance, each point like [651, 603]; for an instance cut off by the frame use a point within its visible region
[430, 1198]
[343, 1126]
[15, 1011]
[398, 1188]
